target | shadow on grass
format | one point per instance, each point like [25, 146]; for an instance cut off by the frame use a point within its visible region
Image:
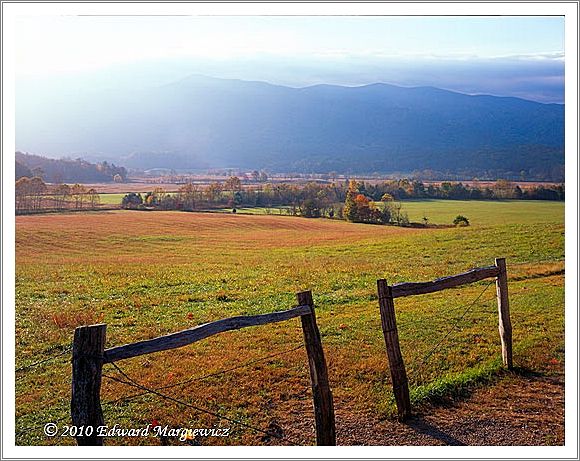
[450, 391]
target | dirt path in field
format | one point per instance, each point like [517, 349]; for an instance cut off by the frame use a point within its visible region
[516, 410]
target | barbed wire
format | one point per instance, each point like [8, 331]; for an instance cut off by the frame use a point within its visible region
[210, 375]
[452, 329]
[133, 383]
[423, 319]
[443, 316]
[67, 350]
[404, 323]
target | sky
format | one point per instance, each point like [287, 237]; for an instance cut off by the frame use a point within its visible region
[512, 56]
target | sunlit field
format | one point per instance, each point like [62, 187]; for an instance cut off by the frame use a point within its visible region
[146, 274]
[484, 212]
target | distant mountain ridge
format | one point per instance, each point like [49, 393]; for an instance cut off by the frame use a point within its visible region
[201, 122]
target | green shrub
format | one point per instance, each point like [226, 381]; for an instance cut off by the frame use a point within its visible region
[461, 221]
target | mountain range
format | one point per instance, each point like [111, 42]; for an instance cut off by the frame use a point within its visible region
[202, 122]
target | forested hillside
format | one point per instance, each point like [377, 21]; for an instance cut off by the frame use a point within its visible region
[202, 122]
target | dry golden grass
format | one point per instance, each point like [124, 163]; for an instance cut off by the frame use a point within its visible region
[151, 273]
[73, 234]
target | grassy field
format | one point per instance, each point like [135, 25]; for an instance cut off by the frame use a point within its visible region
[111, 199]
[484, 212]
[150, 273]
[436, 211]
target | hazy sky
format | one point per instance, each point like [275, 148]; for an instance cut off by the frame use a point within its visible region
[520, 56]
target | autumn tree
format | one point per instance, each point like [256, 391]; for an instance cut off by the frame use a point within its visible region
[350, 207]
[37, 189]
[62, 194]
[93, 198]
[359, 208]
[29, 194]
[156, 197]
[22, 194]
[233, 184]
[213, 192]
[78, 193]
[188, 196]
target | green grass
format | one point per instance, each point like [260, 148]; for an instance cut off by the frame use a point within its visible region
[111, 199]
[479, 212]
[150, 273]
[485, 213]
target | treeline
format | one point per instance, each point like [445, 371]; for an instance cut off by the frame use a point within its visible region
[310, 200]
[401, 189]
[34, 195]
[316, 199]
[67, 170]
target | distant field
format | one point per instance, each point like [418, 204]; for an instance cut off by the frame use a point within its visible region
[151, 273]
[479, 212]
[484, 213]
[111, 199]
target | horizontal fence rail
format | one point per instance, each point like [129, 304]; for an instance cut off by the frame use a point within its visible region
[191, 335]
[89, 356]
[420, 288]
[389, 322]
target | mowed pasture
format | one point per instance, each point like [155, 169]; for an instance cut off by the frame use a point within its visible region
[443, 212]
[145, 274]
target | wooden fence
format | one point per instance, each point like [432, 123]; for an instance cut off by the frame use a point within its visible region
[89, 353]
[387, 294]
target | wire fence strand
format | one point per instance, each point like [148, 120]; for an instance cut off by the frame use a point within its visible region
[133, 383]
[43, 361]
[452, 329]
[210, 375]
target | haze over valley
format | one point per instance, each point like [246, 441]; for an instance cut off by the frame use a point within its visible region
[297, 95]
[201, 122]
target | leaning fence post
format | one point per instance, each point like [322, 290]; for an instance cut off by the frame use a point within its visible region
[396, 364]
[503, 308]
[87, 365]
[321, 393]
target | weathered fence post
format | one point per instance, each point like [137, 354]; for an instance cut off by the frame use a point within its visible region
[87, 365]
[321, 393]
[503, 308]
[396, 364]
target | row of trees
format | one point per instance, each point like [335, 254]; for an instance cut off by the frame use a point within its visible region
[312, 200]
[316, 199]
[34, 195]
[402, 189]
[354, 201]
